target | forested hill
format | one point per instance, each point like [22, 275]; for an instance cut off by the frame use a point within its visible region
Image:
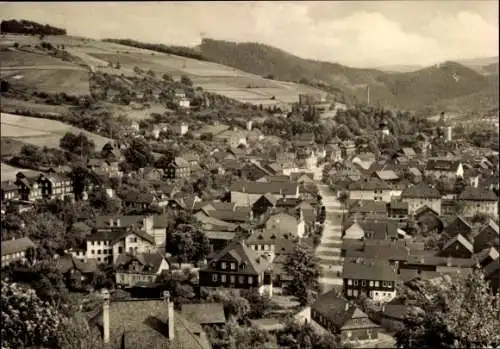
[23, 26]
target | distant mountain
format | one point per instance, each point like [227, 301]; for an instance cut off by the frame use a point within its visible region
[400, 68]
[475, 62]
[422, 88]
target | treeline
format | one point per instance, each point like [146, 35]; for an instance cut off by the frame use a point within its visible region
[173, 50]
[29, 27]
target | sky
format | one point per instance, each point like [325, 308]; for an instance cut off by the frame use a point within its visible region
[354, 33]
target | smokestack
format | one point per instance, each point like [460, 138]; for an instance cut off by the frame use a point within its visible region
[105, 315]
[170, 306]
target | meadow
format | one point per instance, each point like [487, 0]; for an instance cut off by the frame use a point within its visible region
[41, 132]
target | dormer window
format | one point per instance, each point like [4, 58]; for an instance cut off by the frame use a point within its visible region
[243, 265]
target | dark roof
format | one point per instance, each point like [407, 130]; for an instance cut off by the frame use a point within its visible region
[230, 215]
[442, 164]
[125, 221]
[16, 245]
[269, 197]
[204, 313]
[339, 311]
[243, 254]
[491, 225]
[371, 183]
[140, 198]
[264, 187]
[421, 190]
[398, 205]
[478, 194]
[67, 262]
[458, 226]
[491, 268]
[362, 271]
[288, 202]
[381, 229]
[408, 151]
[460, 239]
[160, 221]
[143, 323]
[368, 206]
[153, 260]
[117, 234]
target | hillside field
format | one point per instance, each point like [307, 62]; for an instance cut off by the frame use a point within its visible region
[41, 132]
[212, 77]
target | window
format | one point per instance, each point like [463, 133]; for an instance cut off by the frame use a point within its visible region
[349, 292]
[120, 249]
[92, 243]
[223, 278]
[232, 279]
[133, 239]
[93, 252]
[376, 284]
[233, 266]
[349, 282]
[363, 283]
[355, 282]
[371, 283]
[214, 277]
[223, 265]
[250, 280]
[98, 251]
[98, 259]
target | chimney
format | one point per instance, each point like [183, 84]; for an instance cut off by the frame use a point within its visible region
[111, 222]
[105, 315]
[118, 222]
[170, 305]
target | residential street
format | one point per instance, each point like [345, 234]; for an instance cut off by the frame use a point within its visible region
[328, 250]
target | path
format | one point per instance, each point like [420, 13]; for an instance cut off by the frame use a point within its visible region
[329, 250]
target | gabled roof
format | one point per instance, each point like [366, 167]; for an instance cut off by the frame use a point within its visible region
[460, 239]
[152, 260]
[118, 234]
[370, 184]
[421, 190]
[442, 164]
[478, 194]
[125, 221]
[381, 229]
[491, 268]
[269, 197]
[16, 245]
[135, 322]
[368, 206]
[491, 225]
[255, 264]
[408, 151]
[458, 226]
[204, 313]
[285, 188]
[67, 262]
[387, 175]
[361, 271]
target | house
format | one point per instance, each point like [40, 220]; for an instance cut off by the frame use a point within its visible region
[75, 271]
[339, 316]
[134, 126]
[333, 153]
[139, 269]
[458, 226]
[178, 169]
[361, 209]
[114, 236]
[253, 171]
[180, 94]
[302, 177]
[232, 137]
[139, 201]
[269, 244]
[398, 209]
[55, 186]
[304, 140]
[159, 229]
[449, 168]
[388, 176]
[205, 314]
[479, 200]
[105, 167]
[146, 323]
[458, 247]
[488, 236]
[371, 229]
[348, 148]
[265, 203]
[29, 189]
[9, 191]
[150, 173]
[419, 195]
[492, 274]
[16, 250]
[184, 103]
[244, 193]
[287, 224]
[428, 221]
[181, 129]
[375, 280]
[372, 189]
[486, 256]
[237, 266]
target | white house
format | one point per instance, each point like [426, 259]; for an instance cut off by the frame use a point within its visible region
[422, 195]
[372, 189]
[479, 200]
[139, 269]
[444, 167]
[245, 193]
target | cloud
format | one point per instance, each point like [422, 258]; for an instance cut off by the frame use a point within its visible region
[346, 33]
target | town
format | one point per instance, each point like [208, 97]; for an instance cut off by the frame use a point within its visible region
[216, 223]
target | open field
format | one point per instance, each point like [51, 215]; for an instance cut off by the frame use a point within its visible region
[212, 77]
[7, 104]
[41, 132]
[8, 173]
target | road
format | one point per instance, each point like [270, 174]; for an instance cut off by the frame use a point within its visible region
[44, 67]
[329, 250]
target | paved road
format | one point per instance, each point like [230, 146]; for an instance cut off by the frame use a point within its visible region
[329, 250]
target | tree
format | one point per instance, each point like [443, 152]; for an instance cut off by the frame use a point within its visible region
[107, 151]
[236, 307]
[186, 81]
[75, 332]
[139, 154]
[187, 243]
[297, 336]
[304, 272]
[260, 306]
[462, 314]
[77, 144]
[26, 319]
